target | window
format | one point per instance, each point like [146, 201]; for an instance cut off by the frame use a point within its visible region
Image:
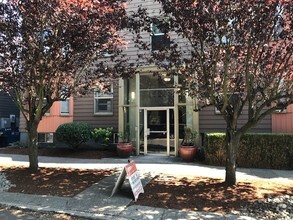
[281, 106]
[279, 22]
[44, 104]
[155, 91]
[103, 102]
[106, 47]
[45, 137]
[228, 37]
[64, 107]
[217, 111]
[159, 37]
[107, 54]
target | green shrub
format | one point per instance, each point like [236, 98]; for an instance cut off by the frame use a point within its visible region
[214, 148]
[103, 136]
[274, 151]
[74, 133]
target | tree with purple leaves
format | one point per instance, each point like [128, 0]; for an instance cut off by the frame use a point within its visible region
[237, 56]
[52, 49]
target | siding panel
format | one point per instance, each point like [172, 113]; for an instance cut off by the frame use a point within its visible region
[283, 122]
[7, 106]
[211, 122]
[154, 10]
[84, 111]
[50, 123]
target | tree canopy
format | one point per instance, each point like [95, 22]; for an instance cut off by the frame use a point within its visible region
[54, 48]
[232, 54]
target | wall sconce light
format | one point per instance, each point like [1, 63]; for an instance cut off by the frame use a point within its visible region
[167, 78]
[132, 95]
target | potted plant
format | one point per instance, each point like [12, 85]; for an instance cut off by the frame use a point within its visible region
[102, 136]
[187, 149]
[124, 147]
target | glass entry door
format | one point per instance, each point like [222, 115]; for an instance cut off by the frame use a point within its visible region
[158, 131]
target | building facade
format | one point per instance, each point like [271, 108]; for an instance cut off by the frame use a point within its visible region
[61, 112]
[156, 114]
[282, 122]
[9, 120]
[9, 113]
[149, 105]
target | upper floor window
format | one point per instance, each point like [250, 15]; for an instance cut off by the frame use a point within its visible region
[103, 102]
[279, 22]
[281, 106]
[44, 104]
[64, 107]
[159, 37]
[217, 111]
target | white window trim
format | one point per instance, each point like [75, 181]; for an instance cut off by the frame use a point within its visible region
[155, 34]
[102, 95]
[280, 111]
[47, 113]
[280, 101]
[46, 140]
[217, 111]
[65, 113]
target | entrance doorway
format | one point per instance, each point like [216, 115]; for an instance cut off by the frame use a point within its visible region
[158, 131]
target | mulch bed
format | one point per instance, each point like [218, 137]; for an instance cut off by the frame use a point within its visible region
[82, 153]
[186, 193]
[53, 181]
[206, 194]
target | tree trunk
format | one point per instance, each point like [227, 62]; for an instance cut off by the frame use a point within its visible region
[232, 143]
[32, 146]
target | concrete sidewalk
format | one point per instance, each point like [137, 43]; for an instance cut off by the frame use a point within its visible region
[95, 202]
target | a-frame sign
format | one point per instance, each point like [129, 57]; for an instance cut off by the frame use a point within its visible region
[129, 171]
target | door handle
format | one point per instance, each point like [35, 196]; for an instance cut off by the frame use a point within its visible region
[148, 131]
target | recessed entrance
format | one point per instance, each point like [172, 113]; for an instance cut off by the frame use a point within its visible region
[158, 131]
[155, 112]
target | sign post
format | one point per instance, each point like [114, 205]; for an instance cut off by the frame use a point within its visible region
[134, 179]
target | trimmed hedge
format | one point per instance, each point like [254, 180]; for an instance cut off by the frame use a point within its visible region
[74, 133]
[273, 151]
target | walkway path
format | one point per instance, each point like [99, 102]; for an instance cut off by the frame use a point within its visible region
[95, 203]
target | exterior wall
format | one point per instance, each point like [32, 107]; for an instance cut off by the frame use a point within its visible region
[84, 111]
[154, 10]
[50, 122]
[211, 122]
[7, 108]
[207, 119]
[283, 122]
[84, 106]
[21, 124]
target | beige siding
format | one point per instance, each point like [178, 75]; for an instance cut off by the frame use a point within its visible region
[211, 122]
[22, 124]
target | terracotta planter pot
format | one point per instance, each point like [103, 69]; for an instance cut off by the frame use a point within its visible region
[187, 153]
[124, 149]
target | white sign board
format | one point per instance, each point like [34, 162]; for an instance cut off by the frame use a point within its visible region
[134, 179]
